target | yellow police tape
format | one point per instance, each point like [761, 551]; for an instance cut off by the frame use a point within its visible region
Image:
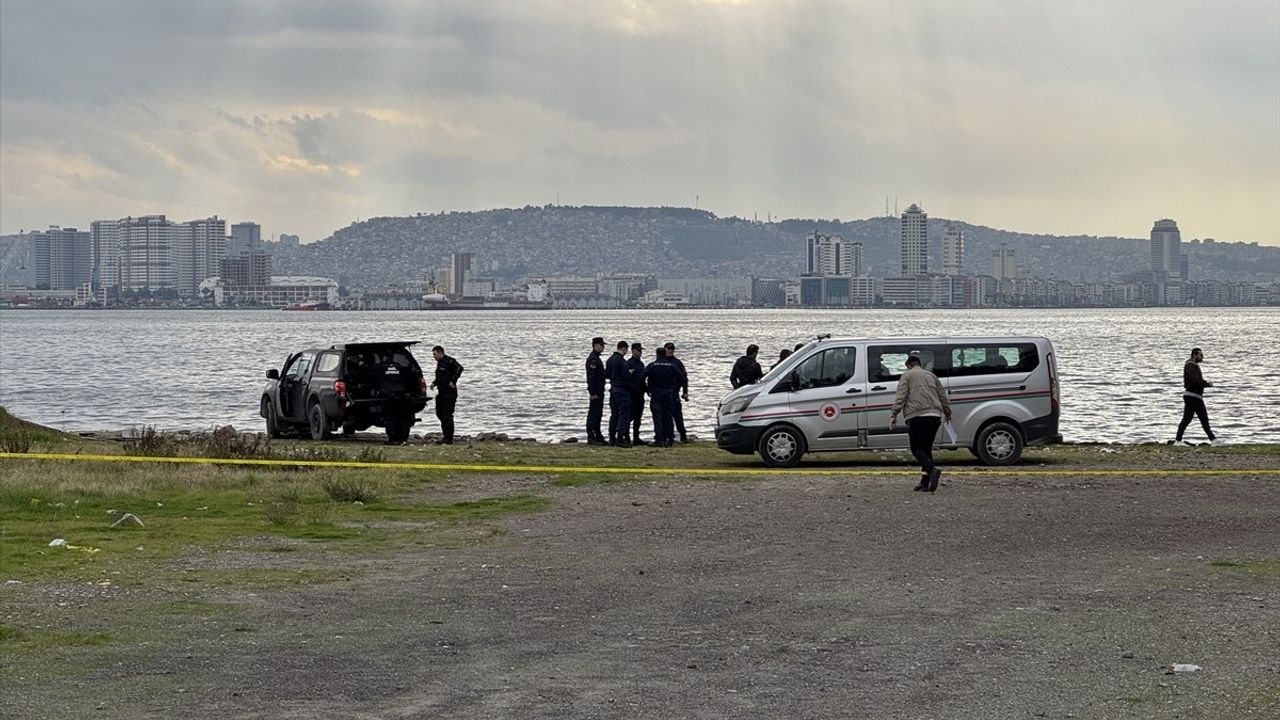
[597, 470]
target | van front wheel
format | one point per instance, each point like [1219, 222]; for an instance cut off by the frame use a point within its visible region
[999, 444]
[781, 446]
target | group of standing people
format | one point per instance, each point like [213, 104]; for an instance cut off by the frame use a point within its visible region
[664, 379]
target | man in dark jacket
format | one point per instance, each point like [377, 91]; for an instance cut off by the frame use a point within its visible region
[637, 392]
[1193, 386]
[662, 380]
[677, 411]
[619, 374]
[595, 388]
[746, 370]
[448, 371]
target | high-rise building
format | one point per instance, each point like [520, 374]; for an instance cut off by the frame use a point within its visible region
[831, 255]
[915, 241]
[1004, 263]
[198, 249]
[461, 271]
[1166, 245]
[952, 250]
[60, 258]
[246, 237]
[104, 253]
[145, 254]
[251, 270]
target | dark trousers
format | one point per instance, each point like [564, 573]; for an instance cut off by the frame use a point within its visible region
[595, 411]
[445, 402]
[922, 431]
[619, 413]
[660, 402]
[637, 414]
[677, 414]
[1194, 407]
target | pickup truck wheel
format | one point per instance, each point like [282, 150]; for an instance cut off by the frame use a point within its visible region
[273, 421]
[318, 422]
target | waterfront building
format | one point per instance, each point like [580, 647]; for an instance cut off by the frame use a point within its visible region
[460, 272]
[915, 241]
[1004, 263]
[60, 258]
[831, 255]
[952, 250]
[768, 292]
[144, 255]
[246, 237]
[709, 291]
[922, 290]
[280, 291]
[571, 286]
[478, 287]
[198, 250]
[251, 270]
[1166, 246]
[627, 287]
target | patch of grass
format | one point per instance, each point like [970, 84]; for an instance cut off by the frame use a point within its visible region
[40, 639]
[1268, 567]
[350, 489]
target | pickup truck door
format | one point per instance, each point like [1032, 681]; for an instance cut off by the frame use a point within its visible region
[293, 386]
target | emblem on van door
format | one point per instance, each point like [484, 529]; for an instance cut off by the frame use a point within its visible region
[829, 411]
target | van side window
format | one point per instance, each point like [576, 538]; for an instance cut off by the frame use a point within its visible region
[886, 363]
[993, 359]
[826, 369]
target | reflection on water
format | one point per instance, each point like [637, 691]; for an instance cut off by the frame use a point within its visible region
[1121, 369]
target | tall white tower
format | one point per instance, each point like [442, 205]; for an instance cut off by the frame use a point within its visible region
[1166, 245]
[952, 250]
[1004, 263]
[915, 241]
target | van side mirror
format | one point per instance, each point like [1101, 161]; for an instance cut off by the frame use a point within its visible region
[273, 374]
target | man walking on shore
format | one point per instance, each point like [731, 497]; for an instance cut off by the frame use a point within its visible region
[747, 369]
[1193, 385]
[448, 371]
[595, 388]
[619, 374]
[637, 392]
[922, 402]
[677, 410]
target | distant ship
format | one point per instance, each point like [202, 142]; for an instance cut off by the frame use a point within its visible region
[308, 305]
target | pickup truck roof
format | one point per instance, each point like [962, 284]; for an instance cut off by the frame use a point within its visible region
[374, 345]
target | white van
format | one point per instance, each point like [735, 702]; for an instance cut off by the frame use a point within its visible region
[835, 395]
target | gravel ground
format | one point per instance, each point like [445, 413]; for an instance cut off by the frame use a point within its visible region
[787, 597]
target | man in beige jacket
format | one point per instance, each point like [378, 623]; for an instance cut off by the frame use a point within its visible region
[922, 402]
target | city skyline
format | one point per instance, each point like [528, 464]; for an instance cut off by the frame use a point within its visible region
[1087, 119]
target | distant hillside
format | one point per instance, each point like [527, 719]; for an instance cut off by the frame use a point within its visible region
[673, 242]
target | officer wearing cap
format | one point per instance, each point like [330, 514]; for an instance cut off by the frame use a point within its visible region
[619, 374]
[595, 388]
[677, 412]
[662, 380]
[637, 392]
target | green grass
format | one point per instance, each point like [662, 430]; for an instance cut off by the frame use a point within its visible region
[28, 639]
[1268, 567]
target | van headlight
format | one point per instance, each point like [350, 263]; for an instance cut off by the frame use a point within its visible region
[736, 406]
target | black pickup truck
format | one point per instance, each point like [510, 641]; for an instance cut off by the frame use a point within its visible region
[352, 387]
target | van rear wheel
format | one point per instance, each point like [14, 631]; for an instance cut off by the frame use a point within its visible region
[781, 446]
[999, 444]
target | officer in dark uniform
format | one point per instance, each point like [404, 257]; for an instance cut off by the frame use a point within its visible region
[619, 374]
[637, 392]
[448, 370]
[677, 411]
[595, 388]
[662, 379]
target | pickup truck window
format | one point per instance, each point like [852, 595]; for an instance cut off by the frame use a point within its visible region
[298, 369]
[327, 363]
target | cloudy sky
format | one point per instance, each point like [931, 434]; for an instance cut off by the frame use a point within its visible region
[1079, 117]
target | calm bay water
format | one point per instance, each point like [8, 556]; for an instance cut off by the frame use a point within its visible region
[107, 370]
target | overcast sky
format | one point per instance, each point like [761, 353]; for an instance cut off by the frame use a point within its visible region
[304, 115]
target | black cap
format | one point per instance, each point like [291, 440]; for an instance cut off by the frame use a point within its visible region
[670, 346]
[597, 341]
[913, 360]
[637, 346]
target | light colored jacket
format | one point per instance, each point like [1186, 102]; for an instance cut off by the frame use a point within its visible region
[920, 392]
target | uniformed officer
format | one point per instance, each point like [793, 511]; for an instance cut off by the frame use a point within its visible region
[637, 392]
[662, 380]
[677, 411]
[595, 388]
[448, 370]
[619, 374]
